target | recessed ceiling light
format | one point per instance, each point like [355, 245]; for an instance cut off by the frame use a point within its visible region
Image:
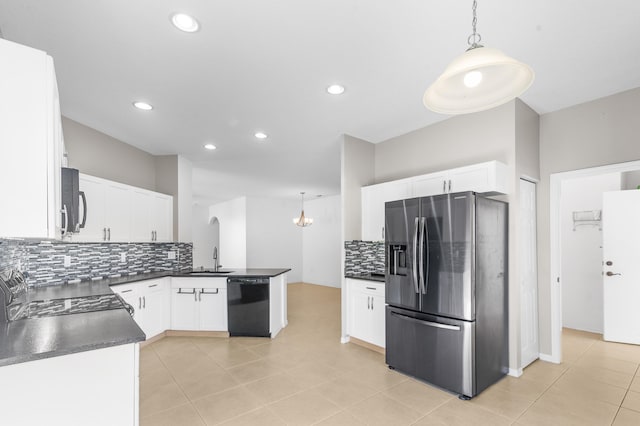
[184, 22]
[210, 146]
[335, 89]
[143, 106]
[260, 135]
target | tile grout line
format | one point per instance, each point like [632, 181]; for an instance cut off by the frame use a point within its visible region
[625, 396]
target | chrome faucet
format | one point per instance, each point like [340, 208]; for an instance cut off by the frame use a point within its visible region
[216, 266]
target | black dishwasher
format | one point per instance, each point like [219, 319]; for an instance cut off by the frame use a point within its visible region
[248, 306]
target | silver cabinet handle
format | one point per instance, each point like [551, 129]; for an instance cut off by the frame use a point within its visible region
[126, 291]
[368, 302]
[151, 235]
[193, 291]
[383, 232]
[144, 302]
[449, 185]
[372, 303]
[371, 288]
[139, 302]
[104, 234]
[109, 234]
[152, 285]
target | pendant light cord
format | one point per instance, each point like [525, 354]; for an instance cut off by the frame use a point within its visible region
[474, 39]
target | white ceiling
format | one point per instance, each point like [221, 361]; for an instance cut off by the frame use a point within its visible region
[264, 65]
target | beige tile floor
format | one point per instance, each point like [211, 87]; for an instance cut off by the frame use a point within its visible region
[305, 376]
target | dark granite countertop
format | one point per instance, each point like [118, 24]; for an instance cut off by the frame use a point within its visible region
[196, 273]
[366, 276]
[31, 339]
[37, 338]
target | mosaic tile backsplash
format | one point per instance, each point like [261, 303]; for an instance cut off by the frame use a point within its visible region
[43, 262]
[363, 256]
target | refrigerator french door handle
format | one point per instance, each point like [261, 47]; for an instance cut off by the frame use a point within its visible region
[414, 267]
[428, 323]
[421, 276]
[425, 281]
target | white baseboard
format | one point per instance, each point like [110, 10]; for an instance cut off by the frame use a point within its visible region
[549, 358]
[344, 339]
[515, 372]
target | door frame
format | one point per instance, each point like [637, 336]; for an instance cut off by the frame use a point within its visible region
[555, 270]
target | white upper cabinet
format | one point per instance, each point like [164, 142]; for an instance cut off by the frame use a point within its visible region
[486, 178]
[122, 213]
[152, 216]
[373, 199]
[31, 144]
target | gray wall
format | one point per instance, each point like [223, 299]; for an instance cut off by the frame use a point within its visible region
[631, 180]
[458, 141]
[357, 171]
[100, 155]
[597, 133]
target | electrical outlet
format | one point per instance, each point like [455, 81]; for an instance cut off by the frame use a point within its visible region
[67, 261]
[67, 304]
[171, 255]
[123, 257]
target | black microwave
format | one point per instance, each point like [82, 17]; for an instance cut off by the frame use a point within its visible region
[71, 198]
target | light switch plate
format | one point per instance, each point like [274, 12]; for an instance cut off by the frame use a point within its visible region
[171, 255]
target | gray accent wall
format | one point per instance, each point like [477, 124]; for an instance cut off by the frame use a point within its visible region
[597, 133]
[97, 154]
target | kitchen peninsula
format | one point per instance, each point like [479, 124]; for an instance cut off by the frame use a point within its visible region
[81, 335]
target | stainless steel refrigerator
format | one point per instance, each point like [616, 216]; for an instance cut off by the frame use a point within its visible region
[446, 290]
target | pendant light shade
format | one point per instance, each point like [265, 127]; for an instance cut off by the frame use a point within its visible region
[479, 79]
[302, 221]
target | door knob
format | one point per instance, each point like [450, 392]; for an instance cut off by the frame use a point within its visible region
[610, 274]
[608, 263]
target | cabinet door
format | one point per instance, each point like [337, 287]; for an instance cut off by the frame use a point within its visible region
[213, 309]
[377, 321]
[142, 216]
[431, 184]
[23, 142]
[118, 200]
[184, 313]
[94, 228]
[163, 217]
[470, 179]
[373, 199]
[130, 295]
[360, 305]
[153, 307]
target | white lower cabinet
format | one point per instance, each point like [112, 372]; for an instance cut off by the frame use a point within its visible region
[199, 304]
[98, 387]
[366, 317]
[150, 300]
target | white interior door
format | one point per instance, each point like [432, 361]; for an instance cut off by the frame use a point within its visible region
[621, 269]
[527, 266]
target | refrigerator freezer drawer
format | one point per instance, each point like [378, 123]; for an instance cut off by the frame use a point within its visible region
[434, 349]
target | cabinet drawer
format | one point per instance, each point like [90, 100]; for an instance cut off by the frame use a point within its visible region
[199, 282]
[372, 288]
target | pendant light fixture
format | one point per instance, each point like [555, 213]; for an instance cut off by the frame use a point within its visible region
[303, 221]
[479, 79]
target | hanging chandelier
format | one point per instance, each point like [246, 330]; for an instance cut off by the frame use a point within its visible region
[479, 79]
[302, 221]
